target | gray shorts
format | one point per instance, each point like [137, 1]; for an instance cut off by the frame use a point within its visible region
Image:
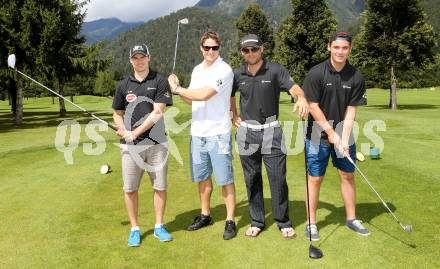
[137, 159]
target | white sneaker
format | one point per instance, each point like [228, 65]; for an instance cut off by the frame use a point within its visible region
[314, 229]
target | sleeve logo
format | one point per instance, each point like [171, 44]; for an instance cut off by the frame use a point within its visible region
[219, 82]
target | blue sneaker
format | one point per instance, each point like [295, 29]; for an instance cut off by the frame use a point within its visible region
[162, 234]
[135, 238]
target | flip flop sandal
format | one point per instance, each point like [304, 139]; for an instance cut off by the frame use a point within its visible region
[252, 231]
[288, 233]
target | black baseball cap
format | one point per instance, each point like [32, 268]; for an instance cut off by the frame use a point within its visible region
[139, 48]
[250, 40]
[340, 36]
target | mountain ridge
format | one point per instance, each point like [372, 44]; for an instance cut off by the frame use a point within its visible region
[105, 29]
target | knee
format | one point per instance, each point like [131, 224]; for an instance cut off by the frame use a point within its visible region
[205, 186]
[347, 177]
[315, 181]
[131, 193]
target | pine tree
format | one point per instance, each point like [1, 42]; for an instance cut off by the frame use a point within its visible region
[302, 37]
[253, 20]
[44, 36]
[394, 37]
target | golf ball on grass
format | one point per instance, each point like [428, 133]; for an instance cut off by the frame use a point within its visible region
[105, 169]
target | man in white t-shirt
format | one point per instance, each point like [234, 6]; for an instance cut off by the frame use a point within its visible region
[211, 148]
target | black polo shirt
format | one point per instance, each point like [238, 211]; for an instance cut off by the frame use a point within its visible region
[260, 94]
[334, 91]
[137, 99]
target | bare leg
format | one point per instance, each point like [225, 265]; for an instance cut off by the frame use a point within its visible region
[314, 184]
[228, 192]
[205, 190]
[348, 190]
[159, 200]
[131, 203]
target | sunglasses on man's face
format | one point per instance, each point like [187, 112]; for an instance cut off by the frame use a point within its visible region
[207, 48]
[248, 50]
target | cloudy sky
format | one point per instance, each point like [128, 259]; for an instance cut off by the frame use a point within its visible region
[134, 10]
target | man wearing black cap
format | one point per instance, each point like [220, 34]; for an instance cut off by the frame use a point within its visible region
[138, 104]
[259, 135]
[334, 88]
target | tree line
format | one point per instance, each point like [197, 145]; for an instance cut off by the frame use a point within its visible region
[394, 45]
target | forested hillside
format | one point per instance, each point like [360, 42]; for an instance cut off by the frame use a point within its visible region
[346, 11]
[218, 15]
[160, 36]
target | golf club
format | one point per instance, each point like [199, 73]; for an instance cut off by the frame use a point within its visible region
[406, 228]
[182, 21]
[314, 252]
[11, 64]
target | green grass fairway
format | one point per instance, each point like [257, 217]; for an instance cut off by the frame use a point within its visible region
[56, 215]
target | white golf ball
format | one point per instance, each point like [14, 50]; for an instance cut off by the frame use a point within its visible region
[105, 168]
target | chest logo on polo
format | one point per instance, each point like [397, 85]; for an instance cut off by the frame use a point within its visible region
[266, 81]
[150, 88]
[346, 87]
[328, 84]
[219, 82]
[131, 97]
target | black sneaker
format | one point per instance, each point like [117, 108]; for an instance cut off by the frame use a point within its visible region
[200, 222]
[229, 230]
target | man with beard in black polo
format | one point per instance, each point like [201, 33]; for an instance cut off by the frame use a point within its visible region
[259, 135]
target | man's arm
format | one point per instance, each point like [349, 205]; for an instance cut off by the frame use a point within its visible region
[301, 102]
[350, 115]
[202, 94]
[152, 118]
[118, 118]
[235, 117]
[322, 121]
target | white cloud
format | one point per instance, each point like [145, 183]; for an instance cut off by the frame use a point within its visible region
[134, 10]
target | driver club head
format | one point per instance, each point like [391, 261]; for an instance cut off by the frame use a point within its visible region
[315, 253]
[408, 228]
[11, 61]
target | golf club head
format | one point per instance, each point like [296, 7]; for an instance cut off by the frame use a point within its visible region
[408, 228]
[315, 253]
[11, 61]
[184, 21]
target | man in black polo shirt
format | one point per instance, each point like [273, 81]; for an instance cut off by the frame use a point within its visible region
[259, 135]
[334, 88]
[139, 102]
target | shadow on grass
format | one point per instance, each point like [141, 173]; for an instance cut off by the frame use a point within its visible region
[365, 211]
[36, 119]
[407, 107]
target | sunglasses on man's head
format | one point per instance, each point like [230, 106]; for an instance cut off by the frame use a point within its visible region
[247, 50]
[207, 48]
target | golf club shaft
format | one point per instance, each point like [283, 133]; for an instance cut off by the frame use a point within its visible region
[65, 99]
[374, 190]
[307, 180]
[175, 49]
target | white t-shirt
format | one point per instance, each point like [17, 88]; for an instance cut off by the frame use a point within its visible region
[212, 117]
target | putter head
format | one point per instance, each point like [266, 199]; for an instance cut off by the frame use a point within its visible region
[408, 228]
[315, 253]
[11, 61]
